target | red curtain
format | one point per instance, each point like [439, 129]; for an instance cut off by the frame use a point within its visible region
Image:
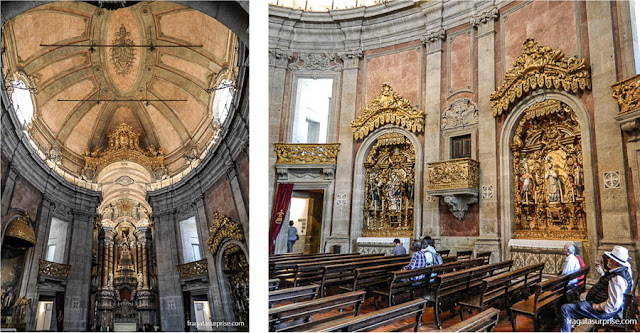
[280, 208]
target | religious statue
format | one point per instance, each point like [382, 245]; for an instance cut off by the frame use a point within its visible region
[554, 188]
[394, 193]
[527, 185]
[20, 307]
[110, 284]
[139, 280]
[376, 191]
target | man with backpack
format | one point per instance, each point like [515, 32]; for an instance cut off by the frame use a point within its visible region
[433, 258]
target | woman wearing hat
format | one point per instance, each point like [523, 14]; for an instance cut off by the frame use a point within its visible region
[606, 297]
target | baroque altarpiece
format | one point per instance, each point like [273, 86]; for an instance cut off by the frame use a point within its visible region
[548, 174]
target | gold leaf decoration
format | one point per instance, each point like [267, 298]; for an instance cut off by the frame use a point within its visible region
[123, 146]
[306, 153]
[387, 108]
[536, 68]
[460, 173]
[223, 228]
[54, 269]
[193, 269]
[627, 92]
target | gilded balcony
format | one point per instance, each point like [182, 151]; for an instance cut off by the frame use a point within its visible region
[456, 182]
[53, 270]
[627, 93]
[193, 269]
[453, 175]
[306, 153]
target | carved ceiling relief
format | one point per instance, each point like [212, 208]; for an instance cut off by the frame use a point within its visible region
[389, 187]
[548, 175]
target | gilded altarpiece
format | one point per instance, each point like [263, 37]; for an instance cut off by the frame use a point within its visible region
[548, 174]
[390, 188]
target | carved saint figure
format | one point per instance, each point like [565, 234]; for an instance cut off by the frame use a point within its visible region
[394, 193]
[527, 185]
[375, 190]
[554, 188]
[110, 284]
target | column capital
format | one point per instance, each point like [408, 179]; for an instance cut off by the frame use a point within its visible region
[351, 59]
[279, 58]
[485, 22]
[433, 40]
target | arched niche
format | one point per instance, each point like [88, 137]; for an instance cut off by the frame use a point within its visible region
[230, 290]
[359, 190]
[506, 163]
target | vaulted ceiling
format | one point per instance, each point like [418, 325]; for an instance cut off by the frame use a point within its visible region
[138, 75]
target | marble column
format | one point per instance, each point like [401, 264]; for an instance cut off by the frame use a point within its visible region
[614, 205]
[489, 239]
[433, 91]
[344, 167]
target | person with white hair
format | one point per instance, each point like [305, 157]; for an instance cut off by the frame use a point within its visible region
[571, 263]
[606, 298]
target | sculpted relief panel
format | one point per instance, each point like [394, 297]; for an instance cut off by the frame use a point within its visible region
[548, 174]
[389, 184]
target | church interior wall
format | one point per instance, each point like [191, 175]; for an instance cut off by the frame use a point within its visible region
[454, 65]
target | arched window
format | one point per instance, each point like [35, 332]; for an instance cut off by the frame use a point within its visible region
[222, 101]
[22, 104]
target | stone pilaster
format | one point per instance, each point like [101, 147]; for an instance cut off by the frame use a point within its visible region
[278, 61]
[243, 212]
[613, 204]
[433, 92]
[489, 239]
[10, 185]
[344, 165]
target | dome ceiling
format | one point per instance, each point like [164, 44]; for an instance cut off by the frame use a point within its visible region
[162, 93]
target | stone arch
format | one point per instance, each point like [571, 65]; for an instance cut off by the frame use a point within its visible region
[225, 293]
[357, 199]
[510, 124]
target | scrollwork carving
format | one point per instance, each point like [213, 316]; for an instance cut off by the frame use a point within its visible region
[455, 174]
[536, 68]
[461, 113]
[306, 153]
[53, 269]
[193, 269]
[387, 108]
[223, 228]
[627, 93]
[315, 62]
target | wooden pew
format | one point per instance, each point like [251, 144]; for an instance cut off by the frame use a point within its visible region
[344, 274]
[273, 284]
[449, 259]
[464, 254]
[549, 293]
[299, 316]
[294, 294]
[374, 278]
[499, 290]
[629, 312]
[443, 253]
[484, 255]
[484, 321]
[284, 268]
[376, 319]
[450, 288]
[401, 281]
[312, 272]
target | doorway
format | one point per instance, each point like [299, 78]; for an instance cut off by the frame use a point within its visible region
[306, 213]
[43, 317]
[203, 315]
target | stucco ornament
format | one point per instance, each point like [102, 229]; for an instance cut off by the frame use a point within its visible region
[536, 68]
[461, 113]
[307, 153]
[387, 108]
[223, 228]
[122, 52]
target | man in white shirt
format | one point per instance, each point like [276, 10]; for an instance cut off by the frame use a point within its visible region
[606, 297]
[571, 263]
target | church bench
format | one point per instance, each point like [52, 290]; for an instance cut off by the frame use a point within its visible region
[400, 282]
[344, 274]
[498, 290]
[464, 254]
[443, 253]
[273, 284]
[285, 267]
[299, 316]
[449, 259]
[549, 293]
[484, 321]
[629, 312]
[455, 286]
[294, 294]
[484, 255]
[376, 319]
[311, 272]
[373, 278]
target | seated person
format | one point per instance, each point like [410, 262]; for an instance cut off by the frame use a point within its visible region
[605, 299]
[571, 263]
[398, 249]
[418, 259]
